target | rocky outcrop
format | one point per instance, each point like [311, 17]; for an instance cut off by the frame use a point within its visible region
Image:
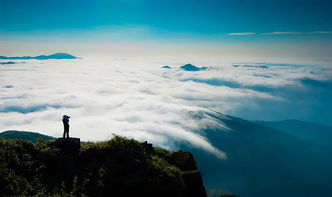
[68, 146]
[191, 176]
[118, 167]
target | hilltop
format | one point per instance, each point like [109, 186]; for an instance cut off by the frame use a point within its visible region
[117, 167]
[24, 135]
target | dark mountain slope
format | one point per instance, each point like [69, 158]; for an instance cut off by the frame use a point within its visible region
[262, 161]
[311, 132]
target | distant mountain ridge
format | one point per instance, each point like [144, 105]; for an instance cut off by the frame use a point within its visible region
[3, 63]
[261, 159]
[24, 135]
[43, 57]
[308, 131]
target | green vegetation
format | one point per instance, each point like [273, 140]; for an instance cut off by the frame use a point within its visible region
[118, 167]
[24, 135]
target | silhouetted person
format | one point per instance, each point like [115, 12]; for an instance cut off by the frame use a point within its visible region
[65, 121]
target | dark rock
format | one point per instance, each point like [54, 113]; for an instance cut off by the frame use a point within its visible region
[191, 176]
[183, 160]
[148, 147]
[68, 146]
[65, 164]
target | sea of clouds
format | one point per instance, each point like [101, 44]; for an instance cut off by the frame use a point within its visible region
[138, 98]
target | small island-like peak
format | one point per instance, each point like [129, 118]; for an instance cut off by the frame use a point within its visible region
[44, 57]
[190, 67]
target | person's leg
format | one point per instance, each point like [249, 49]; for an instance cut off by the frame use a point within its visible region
[66, 134]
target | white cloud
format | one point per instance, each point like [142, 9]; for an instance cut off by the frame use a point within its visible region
[133, 97]
[282, 33]
[321, 32]
[242, 34]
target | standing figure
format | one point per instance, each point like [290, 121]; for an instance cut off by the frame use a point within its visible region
[65, 120]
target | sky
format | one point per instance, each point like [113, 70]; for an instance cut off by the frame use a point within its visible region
[262, 28]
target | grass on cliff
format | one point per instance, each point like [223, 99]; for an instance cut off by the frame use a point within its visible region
[116, 166]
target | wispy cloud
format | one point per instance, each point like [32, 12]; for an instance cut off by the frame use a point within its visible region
[283, 33]
[321, 32]
[242, 34]
[280, 33]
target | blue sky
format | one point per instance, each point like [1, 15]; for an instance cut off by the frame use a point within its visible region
[255, 24]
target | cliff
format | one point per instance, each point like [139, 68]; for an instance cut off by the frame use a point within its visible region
[118, 167]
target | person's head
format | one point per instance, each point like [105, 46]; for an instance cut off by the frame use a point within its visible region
[65, 117]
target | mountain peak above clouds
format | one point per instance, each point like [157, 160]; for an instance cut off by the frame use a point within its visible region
[44, 57]
[57, 56]
[190, 67]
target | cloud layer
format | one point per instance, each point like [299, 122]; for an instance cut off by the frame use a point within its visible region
[137, 98]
